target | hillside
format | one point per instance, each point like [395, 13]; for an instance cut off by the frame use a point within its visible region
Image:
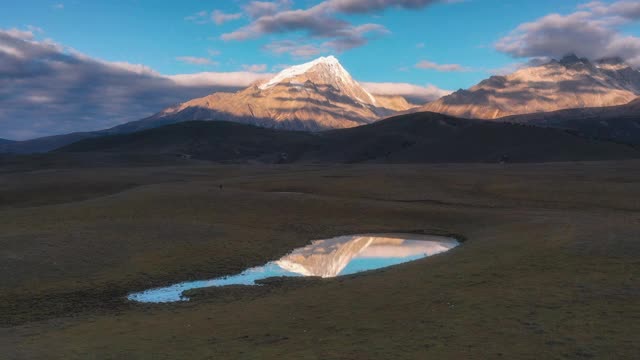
[414, 138]
[619, 123]
[216, 141]
[45, 144]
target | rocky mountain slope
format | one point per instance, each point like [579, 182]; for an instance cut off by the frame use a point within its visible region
[569, 83]
[315, 96]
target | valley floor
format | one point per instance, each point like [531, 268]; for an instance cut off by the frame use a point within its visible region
[549, 269]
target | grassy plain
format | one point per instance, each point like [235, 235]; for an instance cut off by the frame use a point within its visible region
[549, 268]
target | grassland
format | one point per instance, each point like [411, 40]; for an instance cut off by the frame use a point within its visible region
[549, 269]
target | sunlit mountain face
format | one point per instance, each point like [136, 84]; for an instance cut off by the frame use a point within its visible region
[314, 96]
[571, 82]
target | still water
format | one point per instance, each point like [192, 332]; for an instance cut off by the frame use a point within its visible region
[343, 255]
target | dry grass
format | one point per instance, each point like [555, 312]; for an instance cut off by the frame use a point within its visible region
[548, 270]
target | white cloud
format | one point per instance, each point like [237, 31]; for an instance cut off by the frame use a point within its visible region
[429, 65]
[217, 17]
[279, 67]
[592, 32]
[46, 88]
[297, 49]
[628, 9]
[256, 9]
[21, 34]
[255, 68]
[201, 17]
[196, 60]
[230, 80]
[220, 17]
[414, 93]
[137, 69]
[321, 21]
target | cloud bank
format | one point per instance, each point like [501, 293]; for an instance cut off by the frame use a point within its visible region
[48, 89]
[592, 31]
[322, 27]
[196, 60]
[429, 65]
[413, 93]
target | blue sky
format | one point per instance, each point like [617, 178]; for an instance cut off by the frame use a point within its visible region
[156, 33]
[84, 65]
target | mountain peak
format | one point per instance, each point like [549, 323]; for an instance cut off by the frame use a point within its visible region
[296, 70]
[318, 95]
[327, 60]
[572, 82]
[573, 59]
[322, 71]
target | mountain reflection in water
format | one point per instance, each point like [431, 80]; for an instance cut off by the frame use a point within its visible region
[328, 258]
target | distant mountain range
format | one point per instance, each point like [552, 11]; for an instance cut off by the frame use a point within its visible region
[47, 143]
[321, 95]
[315, 96]
[569, 83]
[412, 138]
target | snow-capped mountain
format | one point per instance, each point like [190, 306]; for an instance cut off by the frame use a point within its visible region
[315, 96]
[571, 82]
[325, 71]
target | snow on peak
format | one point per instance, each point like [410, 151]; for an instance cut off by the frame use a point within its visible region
[297, 70]
[334, 69]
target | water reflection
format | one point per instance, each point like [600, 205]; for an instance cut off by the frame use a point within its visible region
[328, 258]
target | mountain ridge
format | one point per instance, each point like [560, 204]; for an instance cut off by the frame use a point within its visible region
[570, 82]
[412, 138]
[315, 96]
[321, 95]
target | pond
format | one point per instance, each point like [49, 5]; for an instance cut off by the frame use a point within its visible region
[339, 256]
